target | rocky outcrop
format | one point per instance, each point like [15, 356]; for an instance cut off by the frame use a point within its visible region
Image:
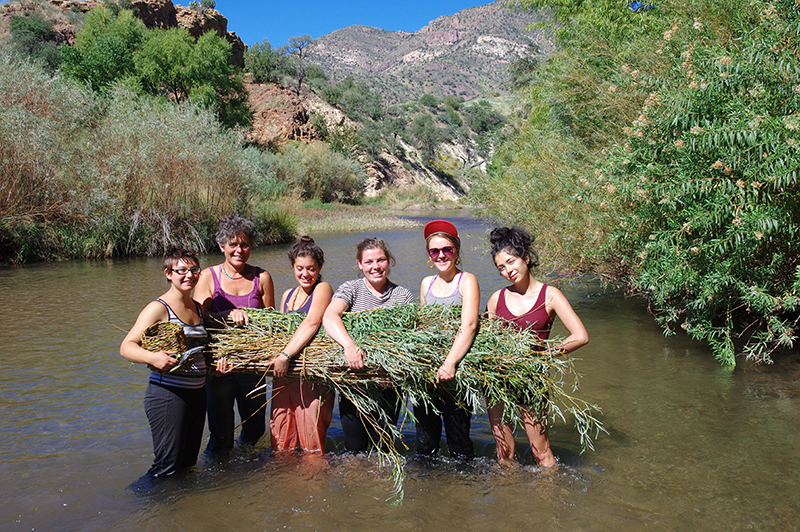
[441, 37]
[278, 116]
[156, 13]
[200, 22]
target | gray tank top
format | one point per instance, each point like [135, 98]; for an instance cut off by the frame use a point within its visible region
[451, 300]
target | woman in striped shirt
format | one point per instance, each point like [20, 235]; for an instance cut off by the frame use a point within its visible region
[371, 291]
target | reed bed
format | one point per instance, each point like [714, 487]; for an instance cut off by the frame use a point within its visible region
[404, 346]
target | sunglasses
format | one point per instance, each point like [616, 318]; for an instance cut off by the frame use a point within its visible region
[183, 271]
[447, 250]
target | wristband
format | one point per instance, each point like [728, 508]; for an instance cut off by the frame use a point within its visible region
[284, 353]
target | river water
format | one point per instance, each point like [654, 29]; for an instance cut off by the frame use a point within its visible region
[690, 446]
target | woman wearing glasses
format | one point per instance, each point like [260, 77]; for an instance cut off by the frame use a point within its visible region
[175, 401]
[224, 290]
[450, 286]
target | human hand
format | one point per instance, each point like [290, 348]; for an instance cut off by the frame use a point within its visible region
[239, 317]
[280, 367]
[355, 357]
[223, 367]
[446, 372]
[162, 361]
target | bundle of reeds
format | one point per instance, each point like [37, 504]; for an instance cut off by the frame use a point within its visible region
[168, 336]
[404, 346]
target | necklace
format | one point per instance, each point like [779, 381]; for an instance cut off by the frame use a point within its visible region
[231, 277]
[294, 304]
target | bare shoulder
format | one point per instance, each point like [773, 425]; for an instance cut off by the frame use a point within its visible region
[491, 305]
[323, 290]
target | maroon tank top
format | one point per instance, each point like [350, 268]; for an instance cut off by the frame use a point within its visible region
[223, 301]
[536, 321]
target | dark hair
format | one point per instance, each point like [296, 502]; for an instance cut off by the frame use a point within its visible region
[514, 241]
[450, 238]
[234, 225]
[177, 255]
[374, 243]
[306, 247]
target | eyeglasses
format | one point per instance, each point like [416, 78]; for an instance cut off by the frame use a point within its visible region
[447, 250]
[183, 271]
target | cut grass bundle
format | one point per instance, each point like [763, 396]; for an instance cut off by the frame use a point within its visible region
[404, 346]
[168, 336]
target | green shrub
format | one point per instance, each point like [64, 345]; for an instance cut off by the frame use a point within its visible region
[318, 172]
[32, 36]
[703, 197]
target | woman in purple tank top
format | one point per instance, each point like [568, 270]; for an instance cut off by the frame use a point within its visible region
[530, 305]
[301, 411]
[224, 290]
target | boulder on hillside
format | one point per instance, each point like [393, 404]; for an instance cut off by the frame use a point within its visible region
[156, 13]
[278, 116]
[202, 21]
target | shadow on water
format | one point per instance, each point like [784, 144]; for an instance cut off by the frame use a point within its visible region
[689, 446]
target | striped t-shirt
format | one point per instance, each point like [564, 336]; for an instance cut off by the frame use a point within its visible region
[359, 297]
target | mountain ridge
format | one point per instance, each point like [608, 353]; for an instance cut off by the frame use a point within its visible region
[455, 54]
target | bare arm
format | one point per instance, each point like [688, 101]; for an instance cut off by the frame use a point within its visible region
[267, 289]
[131, 347]
[423, 288]
[471, 300]
[578, 337]
[332, 321]
[491, 305]
[204, 291]
[307, 329]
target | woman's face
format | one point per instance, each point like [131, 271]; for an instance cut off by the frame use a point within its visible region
[512, 267]
[184, 275]
[237, 250]
[374, 264]
[306, 271]
[442, 253]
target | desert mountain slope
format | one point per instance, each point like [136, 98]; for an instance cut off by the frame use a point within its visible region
[465, 54]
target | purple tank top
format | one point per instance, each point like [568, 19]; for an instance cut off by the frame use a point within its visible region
[222, 301]
[536, 321]
[306, 306]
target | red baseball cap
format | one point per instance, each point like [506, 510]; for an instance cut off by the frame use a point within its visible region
[440, 226]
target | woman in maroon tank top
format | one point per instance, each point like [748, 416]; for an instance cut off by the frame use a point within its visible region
[530, 305]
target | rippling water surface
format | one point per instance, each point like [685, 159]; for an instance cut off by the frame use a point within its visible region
[690, 445]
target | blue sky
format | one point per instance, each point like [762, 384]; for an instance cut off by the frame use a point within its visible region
[276, 21]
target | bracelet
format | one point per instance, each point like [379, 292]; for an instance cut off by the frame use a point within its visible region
[284, 353]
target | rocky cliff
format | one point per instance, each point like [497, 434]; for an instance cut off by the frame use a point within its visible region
[154, 14]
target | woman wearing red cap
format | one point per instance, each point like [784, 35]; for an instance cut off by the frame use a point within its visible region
[529, 305]
[450, 286]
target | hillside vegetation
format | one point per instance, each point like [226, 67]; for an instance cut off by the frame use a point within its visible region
[662, 150]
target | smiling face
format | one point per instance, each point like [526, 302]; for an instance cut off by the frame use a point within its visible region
[306, 271]
[374, 264]
[443, 253]
[187, 280]
[512, 267]
[237, 251]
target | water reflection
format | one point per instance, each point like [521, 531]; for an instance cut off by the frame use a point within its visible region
[690, 446]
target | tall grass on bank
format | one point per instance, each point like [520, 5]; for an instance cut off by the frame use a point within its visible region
[85, 177]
